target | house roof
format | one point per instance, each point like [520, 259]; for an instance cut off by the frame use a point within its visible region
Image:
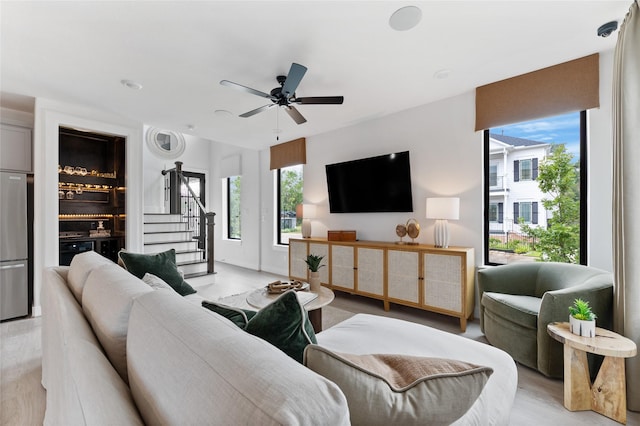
[513, 141]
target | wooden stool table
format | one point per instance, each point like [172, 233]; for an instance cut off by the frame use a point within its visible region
[607, 395]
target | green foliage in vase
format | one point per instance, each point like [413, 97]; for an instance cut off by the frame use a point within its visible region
[313, 262]
[581, 311]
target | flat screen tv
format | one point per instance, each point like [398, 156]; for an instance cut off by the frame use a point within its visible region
[371, 185]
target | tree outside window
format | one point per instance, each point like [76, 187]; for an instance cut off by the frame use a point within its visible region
[234, 188]
[290, 184]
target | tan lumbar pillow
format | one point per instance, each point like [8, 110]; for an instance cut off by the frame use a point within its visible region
[383, 389]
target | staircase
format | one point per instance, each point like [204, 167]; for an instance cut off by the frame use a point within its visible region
[167, 231]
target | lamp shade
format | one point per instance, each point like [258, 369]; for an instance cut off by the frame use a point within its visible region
[443, 208]
[309, 211]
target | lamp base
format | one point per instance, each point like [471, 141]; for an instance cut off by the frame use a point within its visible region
[306, 228]
[441, 233]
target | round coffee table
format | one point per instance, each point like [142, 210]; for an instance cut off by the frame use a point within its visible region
[261, 298]
[607, 394]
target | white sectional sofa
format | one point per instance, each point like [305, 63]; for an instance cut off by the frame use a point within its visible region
[115, 351]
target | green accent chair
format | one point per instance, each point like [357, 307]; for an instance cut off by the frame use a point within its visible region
[518, 300]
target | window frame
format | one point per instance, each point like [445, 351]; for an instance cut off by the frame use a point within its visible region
[583, 184]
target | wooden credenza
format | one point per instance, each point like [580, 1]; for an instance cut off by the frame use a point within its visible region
[421, 276]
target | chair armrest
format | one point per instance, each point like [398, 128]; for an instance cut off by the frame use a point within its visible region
[555, 308]
[555, 304]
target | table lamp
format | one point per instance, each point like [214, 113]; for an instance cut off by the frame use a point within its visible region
[442, 209]
[308, 212]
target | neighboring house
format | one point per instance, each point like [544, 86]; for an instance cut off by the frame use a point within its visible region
[513, 189]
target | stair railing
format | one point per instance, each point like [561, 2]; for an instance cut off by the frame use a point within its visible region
[209, 216]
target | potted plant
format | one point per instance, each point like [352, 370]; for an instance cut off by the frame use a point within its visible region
[582, 320]
[313, 263]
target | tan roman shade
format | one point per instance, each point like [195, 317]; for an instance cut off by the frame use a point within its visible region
[288, 154]
[567, 87]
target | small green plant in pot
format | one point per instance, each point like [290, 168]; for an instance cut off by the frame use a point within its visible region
[582, 320]
[313, 263]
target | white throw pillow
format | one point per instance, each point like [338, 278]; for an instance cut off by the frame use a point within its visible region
[156, 282]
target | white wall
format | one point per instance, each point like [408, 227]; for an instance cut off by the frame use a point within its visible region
[446, 160]
[600, 172]
[195, 158]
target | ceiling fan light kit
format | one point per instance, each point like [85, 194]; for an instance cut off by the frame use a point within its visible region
[285, 95]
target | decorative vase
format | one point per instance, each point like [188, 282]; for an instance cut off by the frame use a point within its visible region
[582, 328]
[314, 281]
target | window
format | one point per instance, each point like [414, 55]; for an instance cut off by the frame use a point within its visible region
[544, 220]
[289, 196]
[234, 188]
[493, 175]
[525, 212]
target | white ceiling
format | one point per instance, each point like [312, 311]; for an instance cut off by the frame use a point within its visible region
[179, 51]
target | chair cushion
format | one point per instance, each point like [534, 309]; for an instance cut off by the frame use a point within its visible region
[162, 265]
[522, 310]
[384, 389]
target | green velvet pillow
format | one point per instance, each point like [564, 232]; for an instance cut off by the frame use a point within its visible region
[239, 317]
[162, 265]
[285, 324]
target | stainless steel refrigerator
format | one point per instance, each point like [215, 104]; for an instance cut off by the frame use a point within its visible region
[14, 262]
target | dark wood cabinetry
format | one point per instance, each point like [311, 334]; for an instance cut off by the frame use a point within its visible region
[91, 192]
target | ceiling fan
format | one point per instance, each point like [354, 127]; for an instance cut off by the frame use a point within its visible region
[285, 95]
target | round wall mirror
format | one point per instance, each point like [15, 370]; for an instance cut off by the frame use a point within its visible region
[165, 143]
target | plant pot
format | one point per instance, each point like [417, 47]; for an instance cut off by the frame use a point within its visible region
[314, 281]
[582, 328]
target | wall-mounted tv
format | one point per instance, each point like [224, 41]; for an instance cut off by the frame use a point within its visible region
[379, 184]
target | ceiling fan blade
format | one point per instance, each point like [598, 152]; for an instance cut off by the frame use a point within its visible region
[295, 114]
[296, 72]
[246, 89]
[257, 110]
[310, 100]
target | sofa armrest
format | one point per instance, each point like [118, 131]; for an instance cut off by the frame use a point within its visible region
[555, 308]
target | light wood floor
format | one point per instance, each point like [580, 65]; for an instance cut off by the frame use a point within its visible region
[538, 400]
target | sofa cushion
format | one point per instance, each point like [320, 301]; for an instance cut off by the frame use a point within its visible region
[81, 266]
[106, 301]
[385, 389]
[239, 317]
[188, 366]
[285, 324]
[162, 265]
[522, 310]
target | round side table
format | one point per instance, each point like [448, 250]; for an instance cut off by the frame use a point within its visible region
[607, 394]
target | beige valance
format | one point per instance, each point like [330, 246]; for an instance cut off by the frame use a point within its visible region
[570, 86]
[288, 154]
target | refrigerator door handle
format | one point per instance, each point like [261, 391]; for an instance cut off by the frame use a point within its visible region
[19, 265]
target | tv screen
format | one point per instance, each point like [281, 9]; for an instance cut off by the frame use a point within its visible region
[371, 185]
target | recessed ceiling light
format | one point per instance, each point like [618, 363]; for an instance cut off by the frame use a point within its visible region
[131, 84]
[405, 18]
[442, 74]
[222, 113]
